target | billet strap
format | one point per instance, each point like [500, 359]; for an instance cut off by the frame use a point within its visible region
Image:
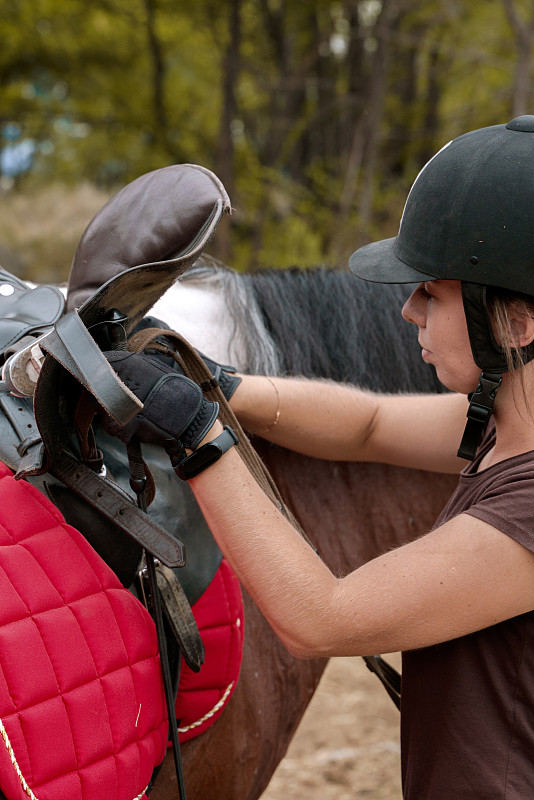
[116, 506]
[19, 412]
[91, 455]
[113, 503]
[180, 617]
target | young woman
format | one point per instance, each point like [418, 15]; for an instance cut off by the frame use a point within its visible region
[459, 601]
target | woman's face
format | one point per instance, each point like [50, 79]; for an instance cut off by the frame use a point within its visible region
[437, 309]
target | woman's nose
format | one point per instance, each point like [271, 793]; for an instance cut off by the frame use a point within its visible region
[414, 309]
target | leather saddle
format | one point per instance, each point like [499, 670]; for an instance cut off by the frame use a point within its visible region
[140, 242]
[143, 239]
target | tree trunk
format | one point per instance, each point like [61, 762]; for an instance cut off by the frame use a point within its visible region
[432, 101]
[405, 80]
[524, 35]
[366, 133]
[224, 158]
[158, 71]
[376, 110]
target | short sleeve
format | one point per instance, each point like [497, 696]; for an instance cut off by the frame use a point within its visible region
[505, 499]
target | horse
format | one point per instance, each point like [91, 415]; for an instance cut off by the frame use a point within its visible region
[326, 324]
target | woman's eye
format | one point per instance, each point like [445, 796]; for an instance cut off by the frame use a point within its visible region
[423, 291]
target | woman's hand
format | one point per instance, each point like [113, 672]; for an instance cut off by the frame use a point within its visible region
[175, 414]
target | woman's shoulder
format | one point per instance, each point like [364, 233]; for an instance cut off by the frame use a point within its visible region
[501, 495]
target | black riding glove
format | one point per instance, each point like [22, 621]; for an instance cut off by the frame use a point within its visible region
[175, 414]
[223, 374]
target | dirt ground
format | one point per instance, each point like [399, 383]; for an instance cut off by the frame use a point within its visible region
[347, 746]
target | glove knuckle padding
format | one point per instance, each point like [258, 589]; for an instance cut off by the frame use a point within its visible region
[172, 404]
[138, 372]
[174, 414]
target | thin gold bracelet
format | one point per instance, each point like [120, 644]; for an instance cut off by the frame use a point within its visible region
[277, 415]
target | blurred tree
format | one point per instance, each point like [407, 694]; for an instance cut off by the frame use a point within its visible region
[224, 165]
[523, 30]
[316, 114]
[363, 150]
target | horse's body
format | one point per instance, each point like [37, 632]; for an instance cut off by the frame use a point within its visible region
[328, 325]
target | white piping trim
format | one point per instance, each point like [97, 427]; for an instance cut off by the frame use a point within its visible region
[21, 777]
[9, 748]
[213, 711]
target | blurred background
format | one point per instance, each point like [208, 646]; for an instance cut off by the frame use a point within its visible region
[317, 115]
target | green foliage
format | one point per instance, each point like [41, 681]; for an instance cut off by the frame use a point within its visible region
[317, 114]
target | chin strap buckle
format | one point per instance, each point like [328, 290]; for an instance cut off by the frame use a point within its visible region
[481, 404]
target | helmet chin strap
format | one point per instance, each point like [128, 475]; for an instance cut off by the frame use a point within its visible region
[481, 404]
[490, 358]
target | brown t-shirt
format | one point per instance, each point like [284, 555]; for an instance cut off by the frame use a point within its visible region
[467, 727]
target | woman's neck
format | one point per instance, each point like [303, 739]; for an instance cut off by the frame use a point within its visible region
[514, 417]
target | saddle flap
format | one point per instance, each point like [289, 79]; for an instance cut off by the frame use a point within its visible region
[139, 243]
[26, 311]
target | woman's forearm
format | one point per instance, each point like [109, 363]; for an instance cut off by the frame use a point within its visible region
[268, 555]
[317, 418]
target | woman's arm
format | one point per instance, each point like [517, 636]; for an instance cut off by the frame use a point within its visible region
[339, 422]
[458, 579]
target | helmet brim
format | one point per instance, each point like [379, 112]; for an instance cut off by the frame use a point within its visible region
[377, 262]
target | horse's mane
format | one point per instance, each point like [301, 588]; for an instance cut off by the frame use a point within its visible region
[323, 323]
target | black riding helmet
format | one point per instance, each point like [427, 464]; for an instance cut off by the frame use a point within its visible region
[469, 217]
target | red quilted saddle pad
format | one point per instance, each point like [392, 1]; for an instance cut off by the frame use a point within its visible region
[82, 706]
[203, 696]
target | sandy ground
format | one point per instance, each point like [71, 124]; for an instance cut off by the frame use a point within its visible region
[347, 745]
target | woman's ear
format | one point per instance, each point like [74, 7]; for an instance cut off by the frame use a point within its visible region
[521, 328]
